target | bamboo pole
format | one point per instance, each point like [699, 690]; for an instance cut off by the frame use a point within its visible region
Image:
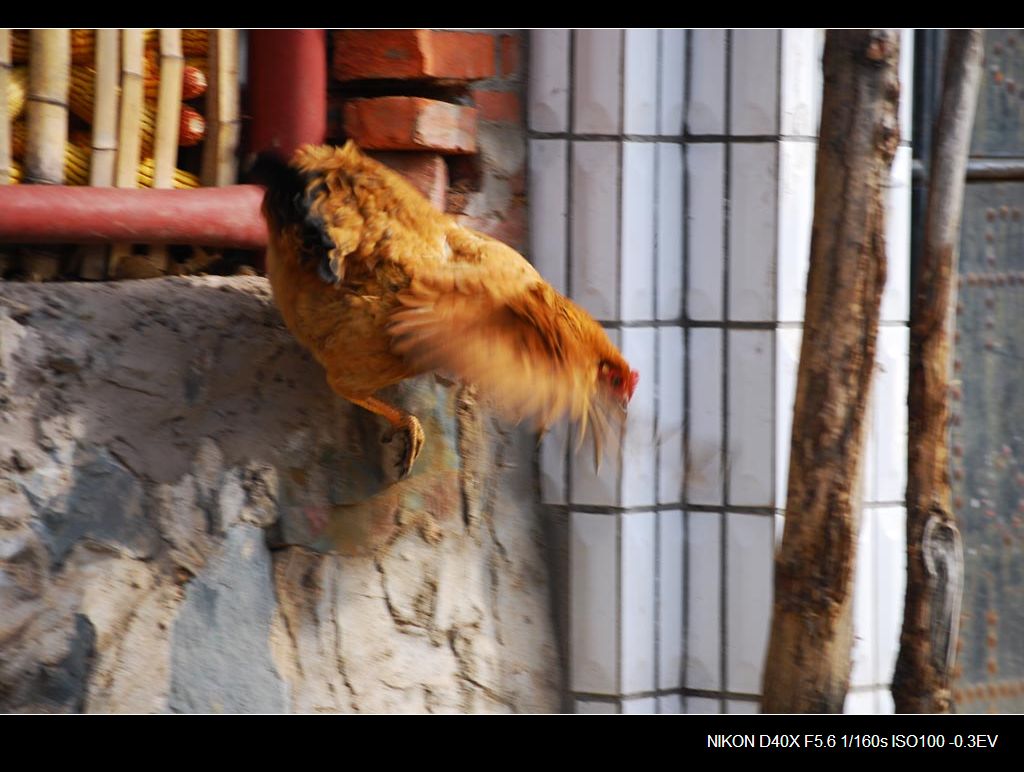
[129, 127]
[168, 108]
[104, 115]
[49, 72]
[104, 138]
[165, 136]
[5, 117]
[219, 161]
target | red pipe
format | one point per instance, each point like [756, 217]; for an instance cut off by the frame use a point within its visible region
[288, 94]
[51, 214]
[287, 88]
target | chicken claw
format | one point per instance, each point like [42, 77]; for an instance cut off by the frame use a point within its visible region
[400, 421]
[413, 438]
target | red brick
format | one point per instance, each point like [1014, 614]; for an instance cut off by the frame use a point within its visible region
[510, 48]
[498, 105]
[411, 123]
[412, 53]
[509, 227]
[426, 171]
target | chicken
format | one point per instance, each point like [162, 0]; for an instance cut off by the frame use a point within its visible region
[380, 287]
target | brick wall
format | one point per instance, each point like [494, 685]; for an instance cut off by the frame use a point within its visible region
[444, 108]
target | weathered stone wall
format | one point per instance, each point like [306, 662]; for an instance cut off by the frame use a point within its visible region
[191, 521]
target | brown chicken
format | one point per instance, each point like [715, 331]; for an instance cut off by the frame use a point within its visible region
[380, 287]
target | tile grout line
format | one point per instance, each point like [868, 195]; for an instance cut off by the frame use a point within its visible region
[620, 519]
[569, 220]
[684, 306]
[656, 215]
[724, 450]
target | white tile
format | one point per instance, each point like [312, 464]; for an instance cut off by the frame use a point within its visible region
[742, 706]
[891, 551]
[554, 446]
[896, 296]
[638, 217]
[670, 599]
[706, 112]
[800, 66]
[753, 208]
[889, 435]
[884, 701]
[906, 83]
[670, 703]
[796, 214]
[673, 81]
[865, 592]
[639, 553]
[787, 360]
[755, 87]
[595, 233]
[640, 82]
[597, 81]
[595, 706]
[750, 568]
[703, 705]
[704, 453]
[866, 482]
[671, 363]
[819, 78]
[594, 620]
[751, 418]
[640, 705]
[549, 80]
[704, 601]
[548, 211]
[705, 169]
[860, 703]
[670, 230]
[639, 451]
[598, 487]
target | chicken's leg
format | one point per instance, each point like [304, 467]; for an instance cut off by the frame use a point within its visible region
[400, 422]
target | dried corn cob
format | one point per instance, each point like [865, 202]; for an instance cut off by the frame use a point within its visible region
[17, 89]
[194, 42]
[83, 45]
[76, 163]
[182, 179]
[191, 132]
[17, 173]
[193, 79]
[76, 170]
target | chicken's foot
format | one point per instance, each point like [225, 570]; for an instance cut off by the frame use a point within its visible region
[400, 421]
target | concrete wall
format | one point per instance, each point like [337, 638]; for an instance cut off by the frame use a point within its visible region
[190, 521]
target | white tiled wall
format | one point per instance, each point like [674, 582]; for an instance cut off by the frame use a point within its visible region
[671, 182]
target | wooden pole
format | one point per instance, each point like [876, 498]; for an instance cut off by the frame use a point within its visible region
[931, 613]
[49, 72]
[807, 669]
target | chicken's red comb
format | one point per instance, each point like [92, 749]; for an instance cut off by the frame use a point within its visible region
[634, 376]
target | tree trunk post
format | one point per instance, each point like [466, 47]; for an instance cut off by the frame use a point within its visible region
[931, 612]
[808, 660]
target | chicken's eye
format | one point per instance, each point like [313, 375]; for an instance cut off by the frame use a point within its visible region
[617, 381]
